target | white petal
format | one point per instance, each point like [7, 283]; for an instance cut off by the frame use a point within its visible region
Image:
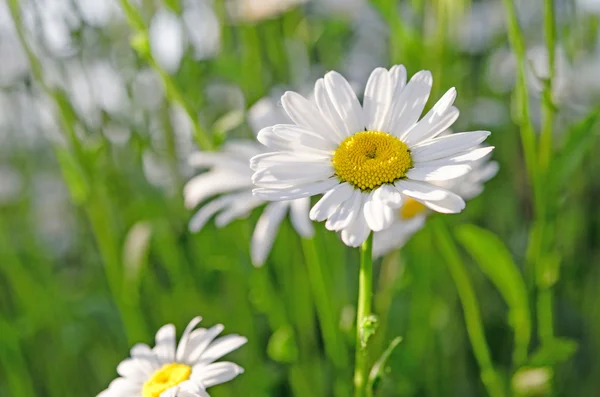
[166, 40]
[466, 157]
[345, 102]
[296, 159]
[357, 232]
[304, 137]
[409, 104]
[378, 94]
[434, 197]
[297, 192]
[203, 186]
[267, 137]
[221, 347]
[216, 373]
[345, 214]
[326, 107]
[306, 114]
[122, 387]
[327, 205]
[134, 369]
[199, 342]
[299, 216]
[378, 215]
[398, 78]
[430, 126]
[437, 173]
[390, 196]
[287, 175]
[238, 209]
[204, 214]
[165, 344]
[183, 342]
[266, 231]
[447, 145]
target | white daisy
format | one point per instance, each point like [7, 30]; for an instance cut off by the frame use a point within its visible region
[171, 370]
[410, 218]
[230, 173]
[365, 159]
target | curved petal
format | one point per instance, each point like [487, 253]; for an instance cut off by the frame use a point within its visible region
[292, 193]
[408, 105]
[435, 121]
[345, 214]
[327, 205]
[183, 342]
[437, 173]
[199, 342]
[266, 231]
[447, 145]
[216, 373]
[357, 232]
[165, 344]
[378, 94]
[377, 215]
[306, 114]
[434, 197]
[345, 102]
[203, 215]
[327, 108]
[221, 347]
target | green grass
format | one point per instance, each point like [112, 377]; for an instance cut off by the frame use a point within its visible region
[94, 258]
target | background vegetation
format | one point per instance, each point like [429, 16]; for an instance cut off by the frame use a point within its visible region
[99, 109]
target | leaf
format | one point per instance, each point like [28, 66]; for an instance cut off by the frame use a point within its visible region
[579, 140]
[495, 261]
[554, 352]
[74, 176]
[378, 369]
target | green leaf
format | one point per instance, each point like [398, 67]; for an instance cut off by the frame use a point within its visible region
[496, 262]
[554, 352]
[378, 369]
[578, 140]
[74, 175]
[282, 345]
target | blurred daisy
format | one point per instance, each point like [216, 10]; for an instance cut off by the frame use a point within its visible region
[230, 173]
[171, 370]
[410, 218]
[366, 159]
[254, 11]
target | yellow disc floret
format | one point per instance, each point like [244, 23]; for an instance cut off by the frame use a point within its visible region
[411, 208]
[169, 375]
[369, 159]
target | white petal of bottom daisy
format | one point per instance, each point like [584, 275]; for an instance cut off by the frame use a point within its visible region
[410, 218]
[231, 177]
[171, 370]
[366, 158]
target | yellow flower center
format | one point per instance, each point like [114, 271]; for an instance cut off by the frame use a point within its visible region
[369, 159]
[167, 376]
[411, 208]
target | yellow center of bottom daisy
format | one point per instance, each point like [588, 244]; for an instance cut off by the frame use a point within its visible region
[411, 208]
[169, 375]
[369, 159]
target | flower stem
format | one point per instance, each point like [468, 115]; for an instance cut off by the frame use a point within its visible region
[470, 306]
[365, 297]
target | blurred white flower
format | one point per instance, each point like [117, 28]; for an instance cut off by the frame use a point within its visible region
[98, 13]
[203, 28]
[167, 40]
[177, 370]
[254, 11]
[230, 175]
[589, 5]
[147, 90]
[411, 217]
[480, 26]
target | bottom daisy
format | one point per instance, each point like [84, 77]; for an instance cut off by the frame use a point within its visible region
[171, 370]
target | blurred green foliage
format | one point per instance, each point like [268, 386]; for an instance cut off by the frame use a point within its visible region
[95, 254]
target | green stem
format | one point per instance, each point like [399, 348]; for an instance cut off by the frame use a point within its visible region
[365, 297]
[547, 104]
[544, 297]
[334, 346]
[470, 306]
[141, 44]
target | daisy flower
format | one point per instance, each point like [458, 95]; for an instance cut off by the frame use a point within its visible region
[231, 176]
[410, 218]
[366, 159]
[171, 370]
